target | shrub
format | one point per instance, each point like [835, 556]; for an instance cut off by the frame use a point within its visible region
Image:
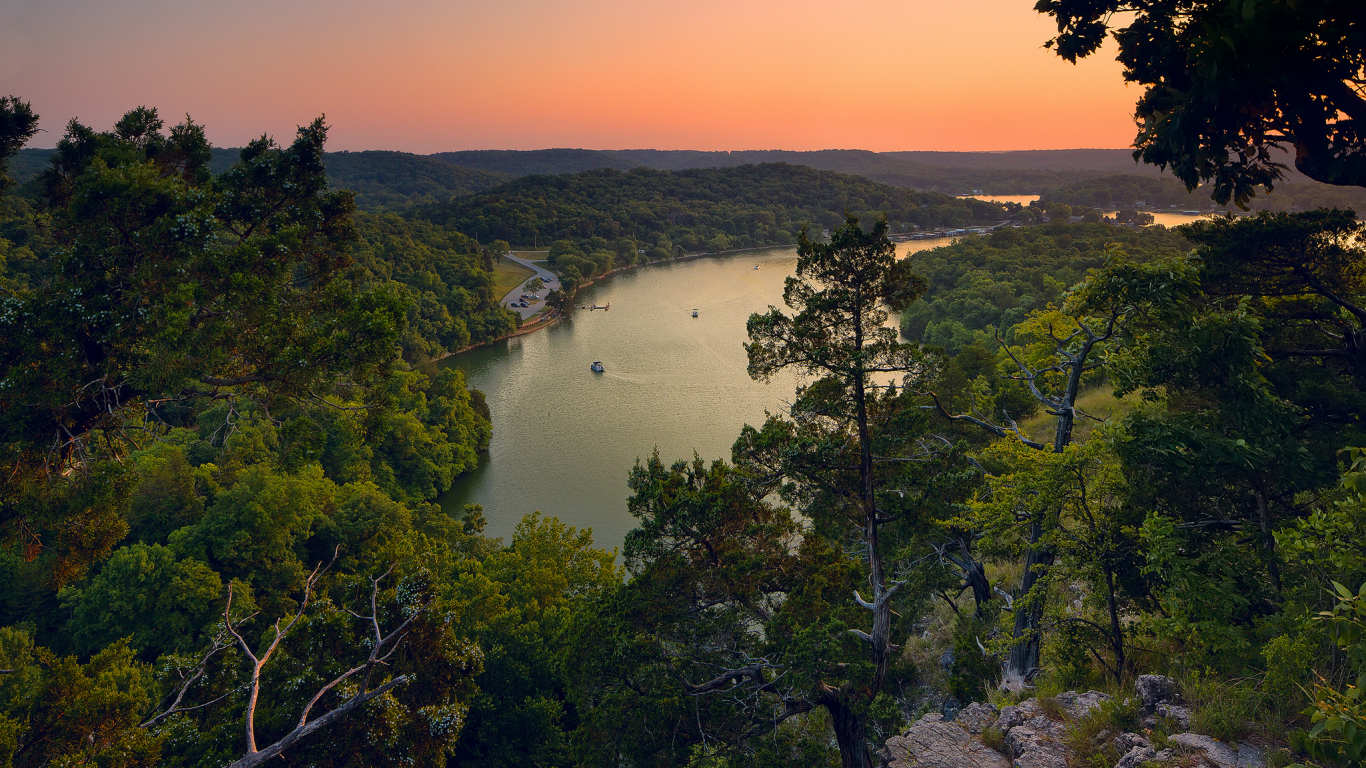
[1288, 664]
[1220, 709]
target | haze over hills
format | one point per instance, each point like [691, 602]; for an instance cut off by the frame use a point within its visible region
[393, 180]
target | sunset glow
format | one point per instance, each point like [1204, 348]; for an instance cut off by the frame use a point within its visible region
[429, 76]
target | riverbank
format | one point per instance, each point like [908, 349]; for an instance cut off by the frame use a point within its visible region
[550, 320]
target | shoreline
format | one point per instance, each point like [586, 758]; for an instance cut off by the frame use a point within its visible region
[523, 330]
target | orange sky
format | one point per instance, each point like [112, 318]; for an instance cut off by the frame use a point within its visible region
[436, 75]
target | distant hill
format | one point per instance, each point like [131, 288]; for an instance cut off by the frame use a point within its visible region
[1103, 160]
[382, 180]
[1124, 190]
[536, 161]
[885, 167]
[391, 180]
[385, 180]
[696, 209]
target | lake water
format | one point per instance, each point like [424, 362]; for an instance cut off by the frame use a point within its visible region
[564, 438]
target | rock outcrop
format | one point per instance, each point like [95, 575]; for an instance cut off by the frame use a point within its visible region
[933, 743]
[1079, 705]
[1030, 738]
[978, 716]
[1153, 690]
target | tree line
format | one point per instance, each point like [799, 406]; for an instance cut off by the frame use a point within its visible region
[696, 210]
[218, 464]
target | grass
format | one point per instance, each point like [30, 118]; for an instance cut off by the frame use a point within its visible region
[1098, 401]
[508, 275]
[923, 648]
[1091, 738]
[1223, 709]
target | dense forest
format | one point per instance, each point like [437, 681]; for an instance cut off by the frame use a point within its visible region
[379, 180]
[221, 436]
[979, 286]
[949, 172]
[1166, 192]
[696, 210]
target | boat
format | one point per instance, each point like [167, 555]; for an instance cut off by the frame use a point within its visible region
[694, 313]
[756, 266]
[596, 367]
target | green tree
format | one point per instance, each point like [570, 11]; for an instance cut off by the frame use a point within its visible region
[143, 593]
[1227, 83]
[56, 710]
[171, 285]
[852, 460]
[517, 604]
[18, 124]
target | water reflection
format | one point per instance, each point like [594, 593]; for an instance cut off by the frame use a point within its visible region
[565, 438]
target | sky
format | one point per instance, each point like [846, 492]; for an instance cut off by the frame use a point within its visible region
[442, 75]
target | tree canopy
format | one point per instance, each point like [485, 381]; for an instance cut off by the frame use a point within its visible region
[1230, 87]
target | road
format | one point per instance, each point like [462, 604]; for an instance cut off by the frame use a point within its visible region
[515, 295]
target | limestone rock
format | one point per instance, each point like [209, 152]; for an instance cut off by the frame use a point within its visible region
[1155, 689]
[1250, 756]
[1078, 705]
[1179, 715]
[1136, 757]
[977, 716]
[1037, 744]
[933, 743]
[1015, 715]
[1215, 751]
[1125, 742]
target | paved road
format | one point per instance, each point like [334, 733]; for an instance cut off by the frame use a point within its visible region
[514, 296]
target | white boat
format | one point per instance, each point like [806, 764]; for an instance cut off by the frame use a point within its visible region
[596, 367]
[694, 313]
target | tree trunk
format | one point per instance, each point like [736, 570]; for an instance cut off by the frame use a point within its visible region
[1116, 631]
[1023, 661]
[1268, 539]
[975, 576]
[850, 733]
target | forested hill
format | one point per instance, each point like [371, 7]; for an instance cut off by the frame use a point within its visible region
[382, 180]
[1164, 192]
[700, 209]
[894, 168]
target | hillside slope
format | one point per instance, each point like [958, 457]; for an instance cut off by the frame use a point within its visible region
[698, 209]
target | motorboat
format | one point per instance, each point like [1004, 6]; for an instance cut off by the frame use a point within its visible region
[694, 313]
[596, 367]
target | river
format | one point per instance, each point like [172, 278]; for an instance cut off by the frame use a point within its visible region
[565, 438]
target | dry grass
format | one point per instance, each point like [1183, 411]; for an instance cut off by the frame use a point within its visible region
[924, 650]
[1098, 401]
[508, 275]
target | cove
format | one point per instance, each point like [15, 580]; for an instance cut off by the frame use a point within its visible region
[565, 438]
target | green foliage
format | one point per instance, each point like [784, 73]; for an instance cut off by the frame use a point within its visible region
[973, 670]
[391, 181]
[1222, 708]
[1284, 65]
[18, 124]
[1289, 663]
[1339, 714]
[518, 604]
[1165, 192]
[698, 210]
[57, 711]
[992, 283]
[170, 284]
[145, 594]
[444, 277]
[1091, 737]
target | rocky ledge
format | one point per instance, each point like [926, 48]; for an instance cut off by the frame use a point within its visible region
[1031, 735]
